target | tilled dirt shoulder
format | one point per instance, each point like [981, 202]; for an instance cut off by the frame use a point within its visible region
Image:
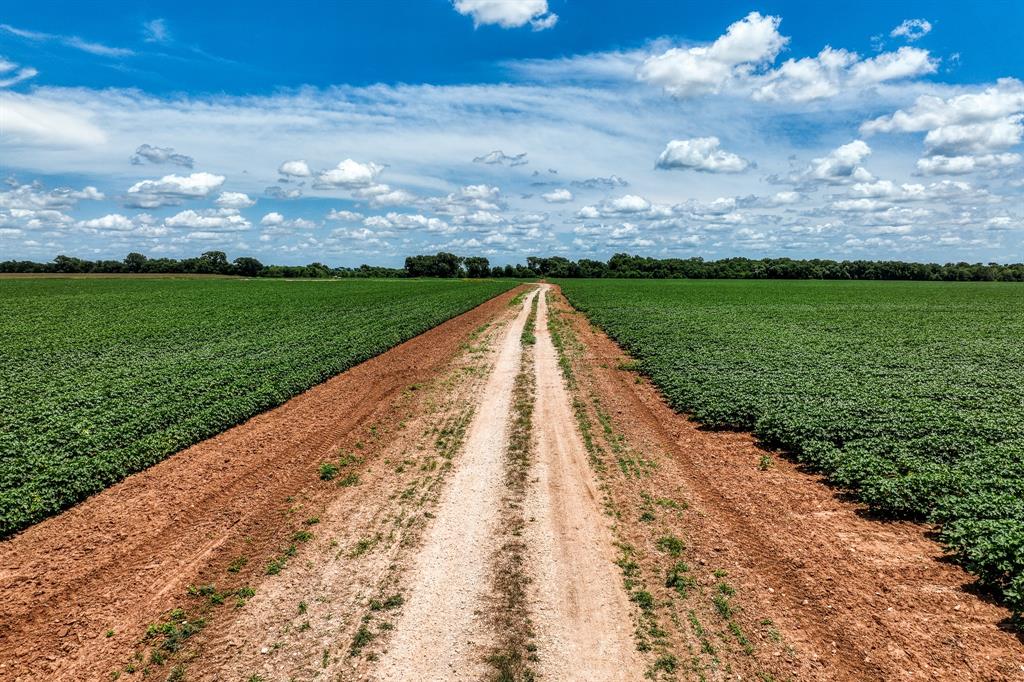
[745, 565]
[78, 591]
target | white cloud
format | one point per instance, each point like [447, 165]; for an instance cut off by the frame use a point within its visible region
[498, 157]
[700, 154]
[966, 132]
[69, 41]
[385, 195]
[297, 169]
[274, 222]
[11, 74]
[961, 165]
[624, 205]
[29, 121]
[160, 155]
[155, 31]
[508, 13]
[558, 196]
[975, 138]
[751, 42]
[350, 216]
[272, 218]
[171, 189]
[406, 221]
[113, 222]
[840, 165]
[611, 182]
[930, 112]
[912, 29]
[34, 196]
[806, 79]
[906, 62]
[741, 60]
[234, 200]
[482, 192]
[349, 174]
[220, 219]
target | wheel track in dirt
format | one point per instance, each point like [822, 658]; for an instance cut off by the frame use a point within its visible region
[442, 632]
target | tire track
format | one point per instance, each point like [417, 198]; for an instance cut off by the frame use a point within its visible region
[443, 631]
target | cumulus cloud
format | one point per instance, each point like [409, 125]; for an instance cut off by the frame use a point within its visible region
[349, 174]
[225, 220]
[558, 196]
[385, 195]
[624, 205]
[278, 192]
[508, 13]
[172, 189]
[965, 132]
[406, 221]
[841, 165]
[700, 154]
[349, 216]
[235, 200]
[751, 42]
[611, 182]
[295, 169]
[114, 222]
[912, 29]
[906, 62]
[274, 222]
[160, 155]
[961, 165]
[34, 196]
[498, 157]
[742, 60]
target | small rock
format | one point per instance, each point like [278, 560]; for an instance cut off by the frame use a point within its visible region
[265, 651]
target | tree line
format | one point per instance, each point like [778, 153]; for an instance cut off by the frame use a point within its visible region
[621, 265]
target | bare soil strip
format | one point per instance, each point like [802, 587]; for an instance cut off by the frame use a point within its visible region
[582, 615]
[757, 569]
[77, 591]
[442, 633]
[328, 614]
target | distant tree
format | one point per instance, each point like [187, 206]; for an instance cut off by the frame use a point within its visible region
[442, 264]
[68, 264]
[247, 267]
[135, 262]
[213, 262]
[477, 266]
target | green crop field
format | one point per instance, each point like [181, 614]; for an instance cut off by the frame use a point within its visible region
[911, 394]
[100, 378]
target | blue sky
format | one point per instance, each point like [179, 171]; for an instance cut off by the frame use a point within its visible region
[366, 131]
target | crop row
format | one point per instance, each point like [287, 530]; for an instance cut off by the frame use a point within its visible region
[907, 393]
[103, 378]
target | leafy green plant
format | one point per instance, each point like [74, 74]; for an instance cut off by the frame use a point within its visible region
[105, 377]
[906, 393]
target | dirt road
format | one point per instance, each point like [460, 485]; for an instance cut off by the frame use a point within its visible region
[583, 615]
[442, 633]
[498, 505]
